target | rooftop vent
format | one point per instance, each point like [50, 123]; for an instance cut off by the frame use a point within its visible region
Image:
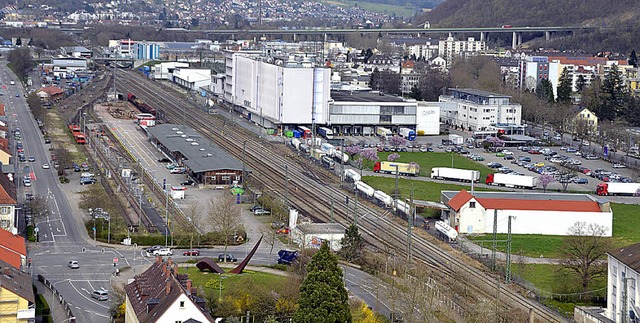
[183, 136]
[201, 149]
[175, 129]
[195, 144]
[179, 132]
[189, 139]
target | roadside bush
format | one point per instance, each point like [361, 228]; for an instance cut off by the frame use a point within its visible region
[420, 132]
[63, 179]
[30, 234]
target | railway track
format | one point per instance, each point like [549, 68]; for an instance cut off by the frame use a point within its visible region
[311, 196]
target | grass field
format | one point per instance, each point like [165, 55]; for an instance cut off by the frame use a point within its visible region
[553, 279]
[422, 190]
[375, 7]
[434, 159]
[200, 279]
[625, 219]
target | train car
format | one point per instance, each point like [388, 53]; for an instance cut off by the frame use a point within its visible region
[325, 132]
[383, 198]
[318, 154]
[328, 148]
[304, 148]
[141, 105]
[341, 157]
[403, 207]
[365, 189]
[450, 234]
[328, 162]
[304, 132]
[295, 143]
[351, 175]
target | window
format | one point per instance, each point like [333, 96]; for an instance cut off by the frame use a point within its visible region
[472, 205]
[5, 210]
[181, 304]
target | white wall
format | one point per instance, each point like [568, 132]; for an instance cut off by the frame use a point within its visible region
[617, 271]
[479, 220]
[176, 313]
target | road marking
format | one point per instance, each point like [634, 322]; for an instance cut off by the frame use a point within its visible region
[89, 299]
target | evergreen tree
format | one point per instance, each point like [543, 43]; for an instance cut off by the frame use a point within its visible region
[633, 59]
[564, 87]
[544, 90]
[323, 297]
[352, 244]
[614, 95]
[581, 83]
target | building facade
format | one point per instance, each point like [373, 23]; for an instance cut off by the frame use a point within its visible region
[17, 301]
[451, 48]
[531, 213]
[476, 110]
[622, 283]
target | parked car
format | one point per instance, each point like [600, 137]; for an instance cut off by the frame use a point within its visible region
[494, 165]
[187, 182]
[163, 252]
[32, 159]
[591, 157]
[261, 212]
[229, 257]
[45, 166]
[164, 160]
[26, 182]
[192, 252]
[581, 180]
[73, 264]
[101, 295]
[617, 165]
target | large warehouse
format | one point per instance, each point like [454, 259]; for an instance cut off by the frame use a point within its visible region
[533, 213]
[207, 163]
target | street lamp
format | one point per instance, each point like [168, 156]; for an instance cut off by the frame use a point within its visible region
[53, 294]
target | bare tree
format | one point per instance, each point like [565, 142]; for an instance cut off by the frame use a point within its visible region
[584, 251]
[194, 215]
[270, 236]
[64, 158]
[225, 217]
[38, 206]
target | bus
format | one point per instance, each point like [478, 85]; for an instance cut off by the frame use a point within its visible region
[325, 132]
[484, 134]
[304, 131]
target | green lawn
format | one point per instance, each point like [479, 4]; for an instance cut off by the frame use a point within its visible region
[554, 279]
[434, 159]
[422, 190]
[625, 219]
[200, 279]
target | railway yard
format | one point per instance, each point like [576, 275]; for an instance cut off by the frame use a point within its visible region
[318, 194]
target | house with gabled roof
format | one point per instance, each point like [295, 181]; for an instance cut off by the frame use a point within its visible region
[8, 203]
[16, 295]
[13, 249]
[161, 294]
[531, 212]
[623, 277]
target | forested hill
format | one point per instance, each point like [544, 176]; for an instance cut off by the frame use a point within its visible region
[617, 17]
[490, 13]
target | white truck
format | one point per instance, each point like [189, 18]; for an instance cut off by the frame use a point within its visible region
[383, 132]
[456, 174]
[328, 148]
[447, 231]
[352, 175]
[295, 143]
[341, 157]
[456, 139]
[365, 189]
[407, 133]
[508, 180]
[629, 189]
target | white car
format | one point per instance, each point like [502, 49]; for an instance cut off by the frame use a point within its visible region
[45, 166]
[619, 166]
[506, 152]
[163, 252]
[73, 264]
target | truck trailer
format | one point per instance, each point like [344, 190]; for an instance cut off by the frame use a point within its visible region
[456, 174]
[508, 180]
[447, 231]
[383, 132]
[456, 139]
[365, 189]
[383, 198]
[390, 168]
[407, 133]
[617, 189]
[340, 157]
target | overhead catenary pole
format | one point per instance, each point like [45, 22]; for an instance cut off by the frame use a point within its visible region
[410, 227]
[495, 238]
[244, 172]
[508, 264]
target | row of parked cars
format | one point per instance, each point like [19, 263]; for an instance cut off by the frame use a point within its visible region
[158, 250]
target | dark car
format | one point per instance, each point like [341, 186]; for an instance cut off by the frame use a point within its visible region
[187, 182]
[164, 160]
[230, 257]
[192, 252]
[494, 165]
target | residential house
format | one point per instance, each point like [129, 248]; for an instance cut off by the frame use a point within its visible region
[161, 294]
[17, 301]
[622, 283]
[7, 205]
[13, 249]
[50, 93]
[5, 152]
[582, 121]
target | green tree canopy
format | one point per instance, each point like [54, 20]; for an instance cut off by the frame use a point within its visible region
[564, 87]
[614, 95]
[352, 244]
[323, 297]
[21, 62]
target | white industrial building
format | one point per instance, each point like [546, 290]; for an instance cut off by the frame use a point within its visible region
[192, 78]
[274, 91]
[68, 66]
[476, 110]
[532, 213]
[164, 71]
[428, 118]
[623, 275]
[312, 235]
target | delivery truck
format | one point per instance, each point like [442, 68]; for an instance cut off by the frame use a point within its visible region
[387, 167]
[456, 174]
[628, 189]
[515, 181]
[383, 132]
[407, 133]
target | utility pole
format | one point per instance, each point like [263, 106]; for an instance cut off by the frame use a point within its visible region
[495, 238]
[244, 172]
[410, 228]
[396, 193]
[355, 209]
[508, 265]
[332, 208]
[286, 188]
[341, 161]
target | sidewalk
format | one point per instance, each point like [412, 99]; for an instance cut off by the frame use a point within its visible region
[59, 314]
